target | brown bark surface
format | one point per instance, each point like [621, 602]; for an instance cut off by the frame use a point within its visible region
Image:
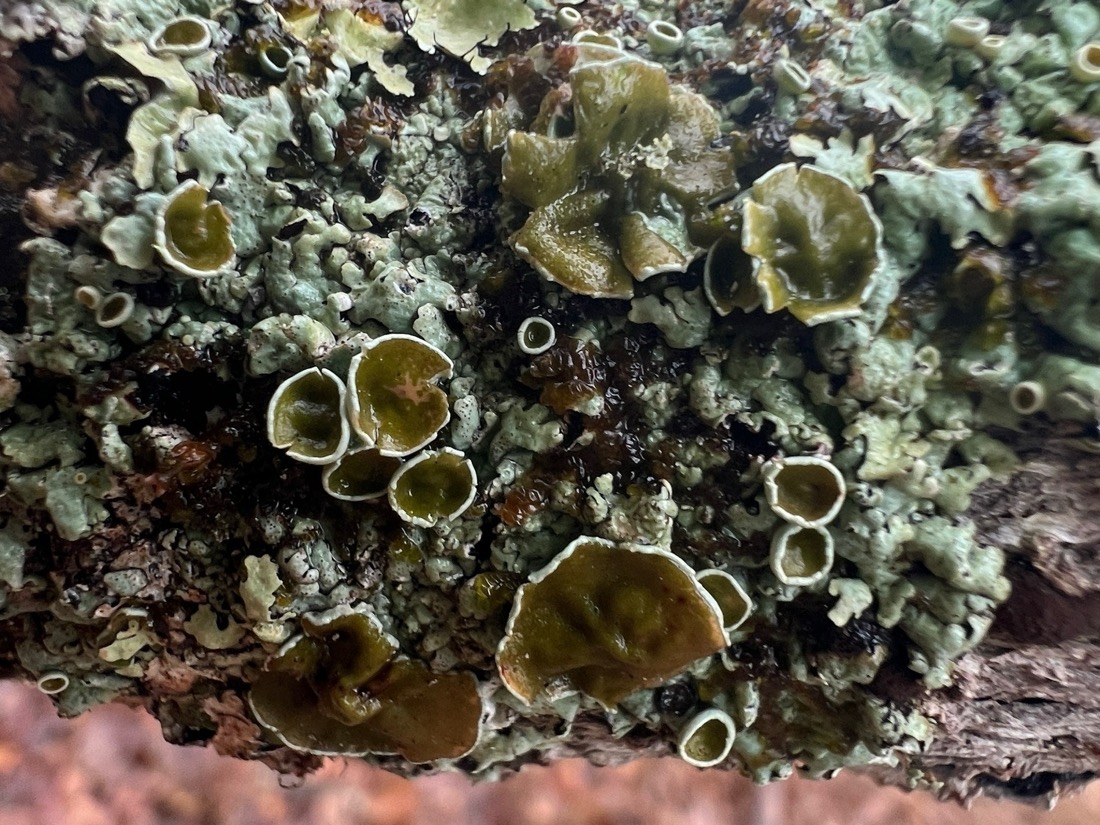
[1023, 718]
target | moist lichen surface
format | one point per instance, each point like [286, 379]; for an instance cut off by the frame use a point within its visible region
[273, 200]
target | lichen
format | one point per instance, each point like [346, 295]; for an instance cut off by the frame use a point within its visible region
[495, 241]
[305, 417]
[617, 167]
[461, 28]
[814, 241]
[606, 620]
[394, 403]
[433, 487]
[339, 690]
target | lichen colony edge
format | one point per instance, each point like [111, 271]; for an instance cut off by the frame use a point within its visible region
[200, 200]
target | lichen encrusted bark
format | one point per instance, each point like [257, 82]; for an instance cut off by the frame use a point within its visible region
[772, 320]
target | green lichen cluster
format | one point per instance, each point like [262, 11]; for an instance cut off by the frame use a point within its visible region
[618, 167]
[338, 689]
[903, 222]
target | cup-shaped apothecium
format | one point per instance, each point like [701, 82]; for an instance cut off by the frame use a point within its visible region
[433, 486]
[53, 682]
[801, 556]
[394, 402]
[192, 233]
[185, 36]
[536, 335]
[728, 277]
[664, 38]
[305, 417]
[360, 475]
[804, 490]
[1027, 397]
[607, 619]
[966, 31]
[707, 738]
[114, 310]
[730, 596]
[274, 60]
[1084, 65]
[815, 241]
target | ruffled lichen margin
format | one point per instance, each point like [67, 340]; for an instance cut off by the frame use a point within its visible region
[155, 547]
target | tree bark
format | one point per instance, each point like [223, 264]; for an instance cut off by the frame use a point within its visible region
[1022, 719]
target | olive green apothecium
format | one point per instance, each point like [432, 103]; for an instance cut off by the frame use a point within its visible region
[393, 401]
[489, 595]
[1084, 66]
[707, 738]
[816, 243]
[728, 277]
[729, 595]
[184, 36]
[607, 619]
[801, 556]
[536, 335]
[432, 487]
[192, 233]
[567, 242]
[359, 475]
[339, 689]
[305, 417]
[619, 182]
[806, 490]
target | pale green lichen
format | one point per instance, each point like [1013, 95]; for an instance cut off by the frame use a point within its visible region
[13, 554]
[361, 39]
[207, 628]
[258, 588]
[462, 27]
[653, 428]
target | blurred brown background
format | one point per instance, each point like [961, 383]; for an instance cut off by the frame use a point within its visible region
[111, 767]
